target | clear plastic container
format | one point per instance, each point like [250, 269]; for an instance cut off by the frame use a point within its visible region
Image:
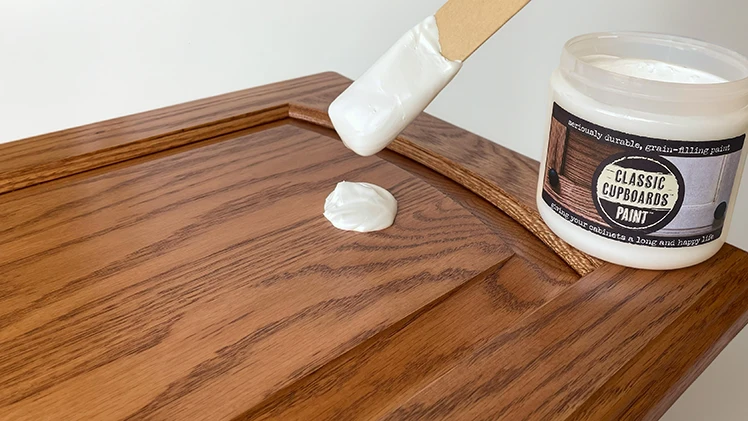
[645, 148]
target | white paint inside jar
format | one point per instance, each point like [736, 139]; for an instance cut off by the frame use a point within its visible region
[652, 69]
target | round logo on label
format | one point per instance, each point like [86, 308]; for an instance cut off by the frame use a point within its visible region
[637, 193]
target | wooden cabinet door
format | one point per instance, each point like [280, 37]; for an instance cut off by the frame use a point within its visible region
[175, 265]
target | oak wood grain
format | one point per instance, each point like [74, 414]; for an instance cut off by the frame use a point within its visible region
[550, 364]
[515, 172]
[537, 254]
[643, 390]
[148, 290]
[157, 281]
[398, 363]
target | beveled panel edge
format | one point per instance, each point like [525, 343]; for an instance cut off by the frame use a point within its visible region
[524, 213]
[47, 157]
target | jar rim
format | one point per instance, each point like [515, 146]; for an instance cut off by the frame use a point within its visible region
[732, 66]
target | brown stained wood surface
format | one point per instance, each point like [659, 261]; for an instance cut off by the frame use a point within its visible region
[515, 173]
[684, 349]
[514, 235]
[174, 265]
[578, 341]
[382, 374]
[151, 289]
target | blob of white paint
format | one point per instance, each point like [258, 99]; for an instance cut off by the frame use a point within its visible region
[360, 207]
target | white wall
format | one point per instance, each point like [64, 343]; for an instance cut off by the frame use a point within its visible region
[67, 63]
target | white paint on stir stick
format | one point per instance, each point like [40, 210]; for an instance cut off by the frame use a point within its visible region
[390, 95]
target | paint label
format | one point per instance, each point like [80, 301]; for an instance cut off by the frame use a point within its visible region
[639, 190]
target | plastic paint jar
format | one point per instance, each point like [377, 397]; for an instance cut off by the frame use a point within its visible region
[645, 148]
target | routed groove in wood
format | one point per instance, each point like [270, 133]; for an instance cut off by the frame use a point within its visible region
[175, 265]
[507, 183]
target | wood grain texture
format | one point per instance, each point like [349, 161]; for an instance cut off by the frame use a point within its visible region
[643, 389]
[549, 364]
[162, 284]
[398, 363]
[147, 291]
[521, 241]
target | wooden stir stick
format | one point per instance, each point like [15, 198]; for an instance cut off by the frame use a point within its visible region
[464, 25]
[397, 88]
